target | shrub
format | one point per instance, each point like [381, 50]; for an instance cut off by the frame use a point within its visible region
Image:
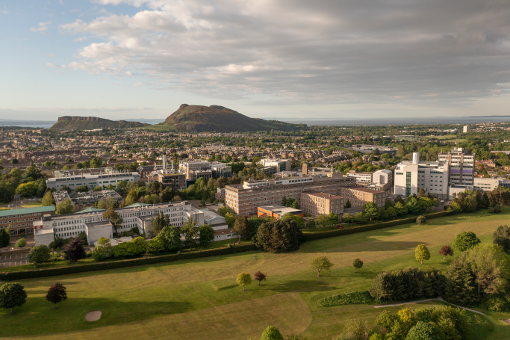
[465, 241]
[496, 303]
[38, 255]
[355, 298]
[424, 331]
[21, 243]
[420, 220]
[271, 333]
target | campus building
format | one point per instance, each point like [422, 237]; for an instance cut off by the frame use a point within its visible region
[91, 221]
[245, 198]
[276, 165]
[84, 199]
[361, 177]
[108, 177]
[360, 196]
[320, 203]
[21, 220]
[204, 169]
[461, 166]
[277, 211]
[411, 176]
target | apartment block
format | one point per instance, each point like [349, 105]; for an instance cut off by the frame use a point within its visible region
[461, 166]
[319, 203]
[359, 196]
[21, 220]
[245, 198]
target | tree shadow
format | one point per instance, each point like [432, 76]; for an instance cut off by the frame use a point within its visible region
[372, 245]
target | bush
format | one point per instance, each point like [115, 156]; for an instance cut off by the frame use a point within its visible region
[421, 220]
[496, 303]
[21, 243]
[27, 274]
[39, 254]
[356, 298]
[271, 333]
[465, 241]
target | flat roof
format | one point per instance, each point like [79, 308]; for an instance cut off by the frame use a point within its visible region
[280, 209]
[41, 209]
[322, 194]
[365, 190]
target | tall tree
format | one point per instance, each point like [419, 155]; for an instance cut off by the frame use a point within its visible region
[113, 217]
[171, 236]
[48, 198]
[490, 265]
[38, 255]
[206, 234]
[502, 237]
[242, 228]
[57, 293]
[65, 207]
[190, 232]
[279, 236]
[74, 251]
[12, 295]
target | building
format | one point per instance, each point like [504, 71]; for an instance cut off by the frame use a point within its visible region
[245, 198]
[359, 196]
[278, 165]
[319, 203]
[204, 169]
[21, 220]
[466, 129]
[381, 149]
[108, 177]
[84, 199]
[461, 166]
[361, 177]
[410, 177]
[277, 211]
[486, 184]
[91, 221]
[382, 177]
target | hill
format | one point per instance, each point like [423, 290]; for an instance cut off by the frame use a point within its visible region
[90, 123]
[217, 118]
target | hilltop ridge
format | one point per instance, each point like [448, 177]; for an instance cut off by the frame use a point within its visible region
[198, 118]
[90, 123]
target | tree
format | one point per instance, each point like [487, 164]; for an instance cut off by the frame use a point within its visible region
[171, 237]
[465, 241]
[48, 198]
[422, 253]
[320, 263]
[322, 220]
[445, 250]
[156, 245]
[424, 331]
[113, 217]
[65, 207]
[259, 276]
[158, 223]
[230, 218]
[357, 329]
[21, 243]
[279, 236]
[348, 218]
[490, 267]
[502, 237]
[206, 234]
[242, 228]
[190, 232]
[243, 279]
[57, 293]
[39, 254]
[420, 220]
[358, 264]
[271, 333]
[103, 250]
[5, 238]
[347, 204]
[460, 285]
[400, 208]
[12, 295]
[74, 251]
[371, 210]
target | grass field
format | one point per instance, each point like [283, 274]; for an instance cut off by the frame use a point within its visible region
[198, 299]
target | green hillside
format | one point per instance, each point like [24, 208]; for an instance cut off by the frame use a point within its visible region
[198, 118]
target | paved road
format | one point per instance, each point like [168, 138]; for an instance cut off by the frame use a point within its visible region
[13, 260]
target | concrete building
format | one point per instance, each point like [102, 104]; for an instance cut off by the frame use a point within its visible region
[382, 177]
[91, 221]
[461, 166]
[277, 211]
[245, 198]
[359, 196]
[109, 176]
[486, 184]
[204, 169]
[361, 177]
[21, 220]
[466, 129]
[319, 203]
[363, 148]
[411, 176]
[84, 199]
[278, 164]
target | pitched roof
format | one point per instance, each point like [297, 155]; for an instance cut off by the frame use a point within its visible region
[41, 209]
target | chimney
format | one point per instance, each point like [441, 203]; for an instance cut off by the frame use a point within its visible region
[416, 157]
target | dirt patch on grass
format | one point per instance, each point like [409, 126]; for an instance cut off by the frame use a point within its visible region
[93, 316]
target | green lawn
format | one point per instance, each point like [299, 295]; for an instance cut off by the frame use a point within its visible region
[198, 299]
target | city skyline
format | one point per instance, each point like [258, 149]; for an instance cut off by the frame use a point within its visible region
[127, 59]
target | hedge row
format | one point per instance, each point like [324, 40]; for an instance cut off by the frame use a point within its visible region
[369, 227]
[356, 298]
[29, 274]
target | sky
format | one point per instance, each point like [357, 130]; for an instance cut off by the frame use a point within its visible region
[129, 59]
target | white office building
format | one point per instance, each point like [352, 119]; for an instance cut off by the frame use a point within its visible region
[411, 176]
[91, 221]
[466, 129]
[108, 177]
[361, 177]
[461, 166]
[382, 177]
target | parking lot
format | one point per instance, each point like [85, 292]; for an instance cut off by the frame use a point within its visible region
[13, 260]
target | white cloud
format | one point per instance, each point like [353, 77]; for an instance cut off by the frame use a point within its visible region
[41, 27]
[337, 51]
[55, 65]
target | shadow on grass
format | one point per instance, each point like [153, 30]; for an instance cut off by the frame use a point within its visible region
[372, 245]
[70, 314]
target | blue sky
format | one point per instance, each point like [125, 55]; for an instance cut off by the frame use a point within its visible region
[126, 59]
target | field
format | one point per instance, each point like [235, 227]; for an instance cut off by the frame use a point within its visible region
[198, 299]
